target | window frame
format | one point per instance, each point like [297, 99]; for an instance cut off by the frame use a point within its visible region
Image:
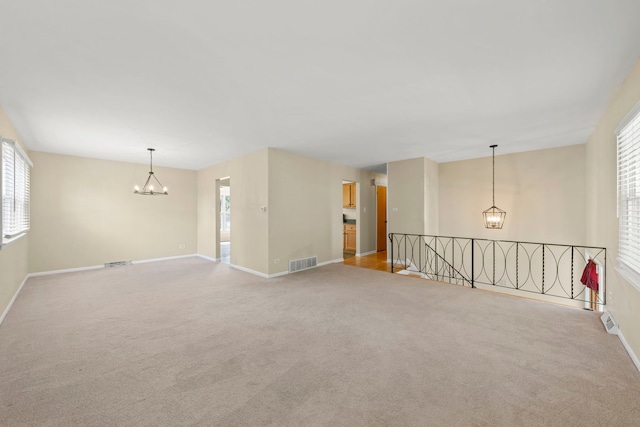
[629, 272]
[17, 151]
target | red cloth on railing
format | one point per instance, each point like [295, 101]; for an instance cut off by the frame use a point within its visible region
[590, 275]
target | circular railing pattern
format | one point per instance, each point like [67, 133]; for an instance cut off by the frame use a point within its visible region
[543, 268]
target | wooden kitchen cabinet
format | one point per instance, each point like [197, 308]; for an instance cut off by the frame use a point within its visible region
[349, 195]
[350, 238]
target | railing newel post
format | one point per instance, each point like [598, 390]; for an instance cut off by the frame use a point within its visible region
[493, 261]
[604, 279]
[405, 253]
[453, 259]
[420, 257]
[435, 250]
[473, 263]
[543, 245]
[517, 267]
[572, 253]
[391, 244]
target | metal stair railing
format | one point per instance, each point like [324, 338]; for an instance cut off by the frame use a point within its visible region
[542, 268]
[428, 262]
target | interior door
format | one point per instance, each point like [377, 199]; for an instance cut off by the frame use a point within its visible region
[381, 217]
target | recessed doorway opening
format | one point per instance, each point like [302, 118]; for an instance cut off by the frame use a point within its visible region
[224, 249]
[349, 219]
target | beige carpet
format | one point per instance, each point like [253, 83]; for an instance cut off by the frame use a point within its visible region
[190, 342]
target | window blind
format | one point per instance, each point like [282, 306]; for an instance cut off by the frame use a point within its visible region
[16, 170]
[629, 189]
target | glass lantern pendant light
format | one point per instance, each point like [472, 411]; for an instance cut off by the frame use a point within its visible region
[494, 216]
[149, 189]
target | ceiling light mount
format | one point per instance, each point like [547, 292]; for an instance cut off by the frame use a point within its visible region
[494, 216]
[148, 189]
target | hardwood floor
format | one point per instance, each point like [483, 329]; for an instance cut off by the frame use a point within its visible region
[377, 261]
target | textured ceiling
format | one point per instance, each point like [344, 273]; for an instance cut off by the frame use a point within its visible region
[354, 82]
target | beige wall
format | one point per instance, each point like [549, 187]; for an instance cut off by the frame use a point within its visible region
[381, 179]
[623, 301]
[543, 192]
[249, 225]
[305, 204]
[366, 210]
[413, 201]
[405, 196]
[431, 197]
[14, 257]
[84, 213]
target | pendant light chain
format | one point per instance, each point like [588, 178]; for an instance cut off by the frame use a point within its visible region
[494, 216]
[493, 181]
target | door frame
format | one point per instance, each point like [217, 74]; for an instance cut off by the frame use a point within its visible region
[386, 211]
[218, 215]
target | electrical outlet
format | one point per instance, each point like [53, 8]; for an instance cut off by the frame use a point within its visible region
[181, 247]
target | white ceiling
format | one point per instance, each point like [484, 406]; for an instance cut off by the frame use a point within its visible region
[358, 82]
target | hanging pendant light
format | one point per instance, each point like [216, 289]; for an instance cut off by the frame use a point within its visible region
[149, 188]
[494, 216]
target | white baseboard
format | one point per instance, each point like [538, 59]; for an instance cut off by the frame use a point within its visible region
[626, 345]
[333, 261]
[282, 273]
[66, 270]
[633, 356]
[367, 253]
[96, 267]
[6, 310]
[208, 258]
[248, 270]
[144, 261]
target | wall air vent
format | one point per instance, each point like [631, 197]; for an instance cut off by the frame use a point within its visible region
[302, 264]
[116, 264]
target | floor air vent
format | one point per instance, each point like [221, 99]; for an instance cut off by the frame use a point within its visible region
[609, 324]
[116, 264]
[302, 264]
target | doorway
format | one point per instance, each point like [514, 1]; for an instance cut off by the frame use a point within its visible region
[349, 219]
[381, 218]
[224, 250]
